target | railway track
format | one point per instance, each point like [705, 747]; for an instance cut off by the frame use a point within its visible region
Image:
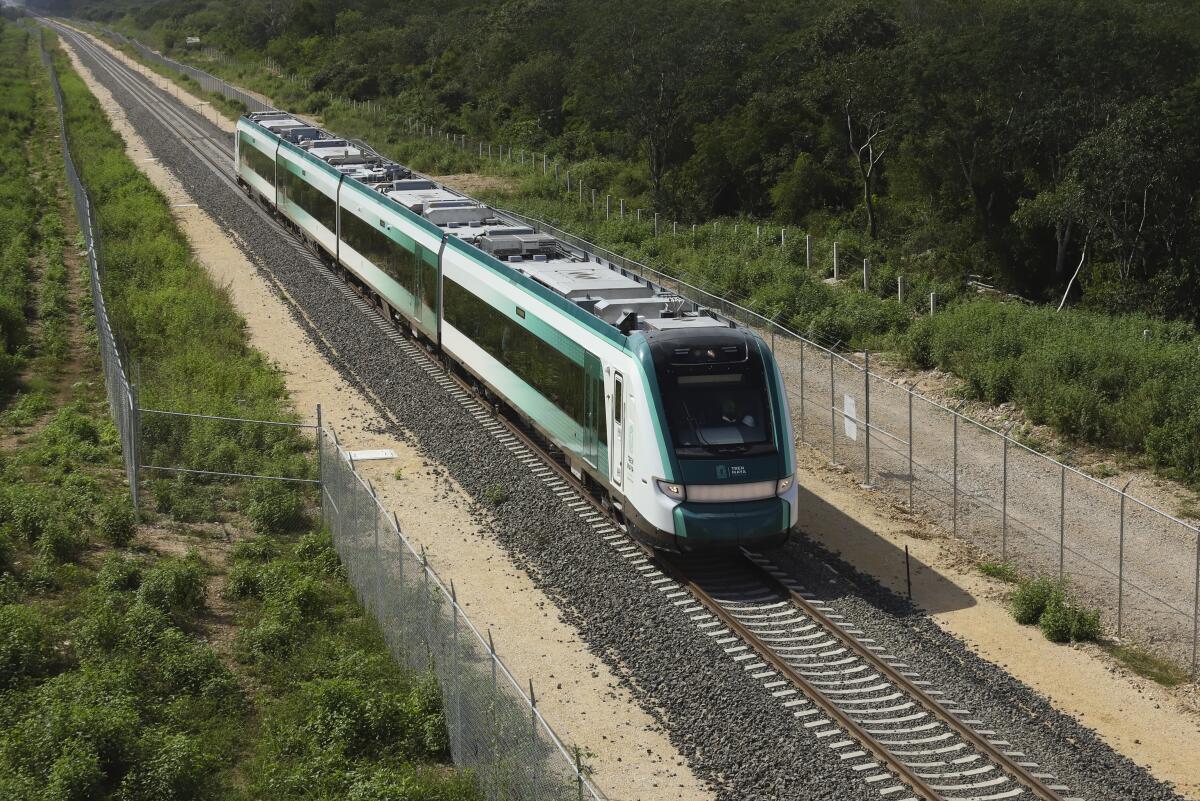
[886, 722]
[903, 737]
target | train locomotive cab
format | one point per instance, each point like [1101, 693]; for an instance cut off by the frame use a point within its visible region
[728, 440]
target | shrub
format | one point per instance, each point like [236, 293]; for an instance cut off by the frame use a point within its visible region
[1085, 627]
[117, 521]
[27, 645]
[1056, 619]
[61, 541]
[1030, 599]
[178, 767]
[259, 549]
[273, 508]
[273, 637]
[119, 574]
[244, 581]
[316, 549]
[495, 494]
[75, 774]
[1004, 571]
[175, 586]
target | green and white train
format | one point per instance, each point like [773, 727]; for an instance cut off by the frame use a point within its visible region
[673, 416]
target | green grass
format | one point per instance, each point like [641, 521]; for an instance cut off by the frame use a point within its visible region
[1152, 667]
[111, 688]
[183, 333]
[20, 205]
[1004, 571]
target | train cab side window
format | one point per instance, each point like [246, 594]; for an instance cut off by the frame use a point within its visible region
[255, 160]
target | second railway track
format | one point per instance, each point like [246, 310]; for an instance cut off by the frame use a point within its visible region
[901, 736]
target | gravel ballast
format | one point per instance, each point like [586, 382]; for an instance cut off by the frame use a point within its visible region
[732, 731]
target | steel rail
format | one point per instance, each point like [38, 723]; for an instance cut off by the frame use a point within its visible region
[848, 724]
[897, 677]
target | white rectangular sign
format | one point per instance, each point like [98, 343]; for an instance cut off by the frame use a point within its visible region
[378, 453]
[849, 415]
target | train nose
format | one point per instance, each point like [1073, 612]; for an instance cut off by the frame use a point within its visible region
[748, 524]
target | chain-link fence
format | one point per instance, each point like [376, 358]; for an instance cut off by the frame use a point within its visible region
[207, 82]
[495, 727]
[122, 395]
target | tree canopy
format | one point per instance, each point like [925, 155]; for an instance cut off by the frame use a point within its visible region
[1017, 139]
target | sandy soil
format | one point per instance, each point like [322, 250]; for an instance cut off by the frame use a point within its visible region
[577, 693]
[1153, 726]
[472, 182]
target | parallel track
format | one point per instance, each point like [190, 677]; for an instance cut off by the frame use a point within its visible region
[878, 717]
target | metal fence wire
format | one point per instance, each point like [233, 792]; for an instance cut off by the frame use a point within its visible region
[122, 395]
[495, 727]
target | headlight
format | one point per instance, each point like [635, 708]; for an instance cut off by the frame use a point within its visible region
[785, 484]
[672, 489]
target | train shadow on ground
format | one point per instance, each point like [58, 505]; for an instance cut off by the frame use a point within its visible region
[874, 566]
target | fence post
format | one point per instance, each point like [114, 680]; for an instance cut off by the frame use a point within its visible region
[900, 288]
[428, 603]
[320, 466]
[593, 200]
[375, 606]
[608, 207]
[954, 479]
[1062, 521]
[867, 417]
[533, 769]
[802, 438]
[622, 203]
[931, 303]
[400, 572]
[1004, 503]
[835, 261]
[832, 413]
[457, 736]
[1196, 609]
[910, 451]
[492, 709]
[656, 223]
[782, 237]
[808, 250]
[1121, 568]
[866, 274]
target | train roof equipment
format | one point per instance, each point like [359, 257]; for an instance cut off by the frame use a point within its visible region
[620, 298]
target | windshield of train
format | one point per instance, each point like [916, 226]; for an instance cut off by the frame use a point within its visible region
[718, 413]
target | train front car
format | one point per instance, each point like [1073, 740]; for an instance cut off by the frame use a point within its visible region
[726, 432]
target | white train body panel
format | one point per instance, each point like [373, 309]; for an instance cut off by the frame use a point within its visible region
[677, 416]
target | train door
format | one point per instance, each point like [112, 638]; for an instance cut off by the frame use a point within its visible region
[618, 432]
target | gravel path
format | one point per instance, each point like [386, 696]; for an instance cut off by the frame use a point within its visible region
[732, 731]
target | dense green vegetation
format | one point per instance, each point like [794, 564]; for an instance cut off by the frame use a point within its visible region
[18, 207]
[992, 138]
[1127, 381]
[127, 672]
[187, 342]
